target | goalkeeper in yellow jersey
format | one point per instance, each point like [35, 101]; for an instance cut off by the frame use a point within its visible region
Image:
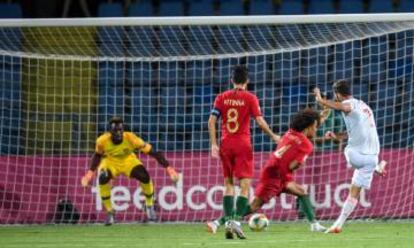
[115, 154]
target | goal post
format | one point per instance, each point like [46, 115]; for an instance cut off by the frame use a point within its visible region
[61, 80]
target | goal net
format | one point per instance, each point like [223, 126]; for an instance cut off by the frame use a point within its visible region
[62, 80]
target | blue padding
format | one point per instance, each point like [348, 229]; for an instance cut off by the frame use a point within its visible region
[10, 10]
[351, 6]
[141, 8]
[291, 7]
[261, 7]
[380, 6]
[231, 7]
[173, 8]
[321, 7]
[201, 8]
[406, 6]
[110, 10]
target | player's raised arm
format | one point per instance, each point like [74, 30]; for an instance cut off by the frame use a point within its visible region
[265, 127]
[344, 107]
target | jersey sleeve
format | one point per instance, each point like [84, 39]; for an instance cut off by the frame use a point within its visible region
[139, 144]
[217, 108]
[255, 107]
[100, 145]
[305, 150]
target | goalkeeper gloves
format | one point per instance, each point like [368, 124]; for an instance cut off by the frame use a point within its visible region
[172, 173]
[87, 178]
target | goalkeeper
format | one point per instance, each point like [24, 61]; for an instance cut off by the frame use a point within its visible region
[114, 155]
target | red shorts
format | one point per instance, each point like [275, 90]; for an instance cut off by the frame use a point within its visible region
[237, 159]
[272, 183]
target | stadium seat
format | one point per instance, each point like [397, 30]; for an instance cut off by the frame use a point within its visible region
[110, 39]
[257, 68]
[291, 7]
[171, 42]
[201, 8]
[261, 7]
[380, 6]
[406, 6]
[170, 72]
[10, 10]
[200, 40]
[10, 37]
[171, 8]
[140, 74]
[110, 10]
[111, 74]
[141, 8]
[110, 103]
[198, 72]
[231, 7]
[321, 7]
[351, 6]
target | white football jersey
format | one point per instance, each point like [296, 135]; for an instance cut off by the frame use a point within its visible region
[361, 128]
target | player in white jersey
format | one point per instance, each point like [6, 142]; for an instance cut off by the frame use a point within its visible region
[363, 145]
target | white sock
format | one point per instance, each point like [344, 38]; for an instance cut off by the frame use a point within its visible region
[347, 209]
[216, 222]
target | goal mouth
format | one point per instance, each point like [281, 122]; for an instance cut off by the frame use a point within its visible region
[61, 80]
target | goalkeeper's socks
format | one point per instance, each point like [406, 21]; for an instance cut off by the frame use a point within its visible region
[347, 209]
[148, 191]
[105, 192]
[307, 208]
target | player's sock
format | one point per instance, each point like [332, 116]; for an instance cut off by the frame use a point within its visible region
[105, 192]
[148, 191]
[307, 208]
[347, 209]
[221, 221]
[241, 205]
[228, 203]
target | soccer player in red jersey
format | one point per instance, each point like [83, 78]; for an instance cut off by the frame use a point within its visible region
[277, 175]
[235, 107]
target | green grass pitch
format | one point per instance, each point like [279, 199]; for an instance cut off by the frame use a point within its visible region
[358, 234]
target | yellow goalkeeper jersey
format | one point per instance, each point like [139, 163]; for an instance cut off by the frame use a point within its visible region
[120, 152]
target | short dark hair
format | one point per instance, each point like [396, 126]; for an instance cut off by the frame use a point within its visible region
[304, 119]
[342, 87]
[240, 74]
[116, 120]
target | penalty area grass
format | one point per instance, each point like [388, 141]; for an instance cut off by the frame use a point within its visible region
[354, 235]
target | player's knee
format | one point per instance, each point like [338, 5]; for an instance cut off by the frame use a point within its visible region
[141, 174]
[104, 177]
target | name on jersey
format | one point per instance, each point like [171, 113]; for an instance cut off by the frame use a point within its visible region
[233, 102]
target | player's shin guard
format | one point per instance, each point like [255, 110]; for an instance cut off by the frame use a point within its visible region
[105, 192]
[347, 209]
[148, 191]
[307, 208]
[228, 203]
[241, 207]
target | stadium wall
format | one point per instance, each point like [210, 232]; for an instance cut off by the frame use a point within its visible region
[32, 186]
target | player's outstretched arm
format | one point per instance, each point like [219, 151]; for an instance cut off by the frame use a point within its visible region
[95, 160]
[346, 108]
[265, 127]
[165, 164]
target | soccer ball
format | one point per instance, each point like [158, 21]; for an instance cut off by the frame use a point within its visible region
[258, 222]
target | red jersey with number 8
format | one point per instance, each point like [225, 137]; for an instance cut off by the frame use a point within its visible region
[235, 107]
